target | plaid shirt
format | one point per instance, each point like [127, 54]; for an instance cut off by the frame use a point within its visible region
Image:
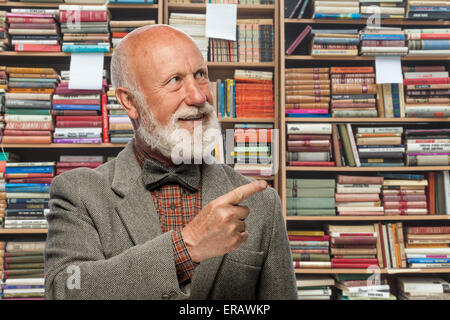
[176, 207]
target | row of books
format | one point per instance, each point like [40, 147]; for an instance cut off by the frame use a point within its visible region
[243, 2]
[389, 194]
[23, 270]
[373, 41]
[89, 2]
[371, 286]
[364, 9]
[371, 246]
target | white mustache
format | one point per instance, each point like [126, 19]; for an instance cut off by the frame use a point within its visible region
[207, 109]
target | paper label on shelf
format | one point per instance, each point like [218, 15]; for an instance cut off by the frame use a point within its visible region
[394, 271]
[221, 21]
[388, 69]
[86, 70]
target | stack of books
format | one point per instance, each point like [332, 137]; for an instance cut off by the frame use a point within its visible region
[85, 28]
[314, 287]
[28, 105]
[387, 9]
[309, 144]
[423, 288]
[2, 113]
[310, 197]
[78, 118]
[406, 194]
[335, 42]
[23, 277]
[427, 246]
[224, 95]
[351, 96]
[253, 94]
[383, 41]
[4, 41]
[120, 28]
[27, 193]
[255, 40]
[379, 147]
[310, 249]
[353, 247]
[428, 9]
[34, 30]
[428, 41]
[307, 92]
[362, 287]
[336, 9]
[69, 162]
[404, 204]
[253, 150]
[427, 91]
[119, 125]
[427, 147]
[3, 79]
[221, 50]
[359, 196]
[194, 24]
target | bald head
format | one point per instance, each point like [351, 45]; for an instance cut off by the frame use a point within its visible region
[144, 44]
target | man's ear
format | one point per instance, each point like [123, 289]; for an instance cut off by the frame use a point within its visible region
[125, 98]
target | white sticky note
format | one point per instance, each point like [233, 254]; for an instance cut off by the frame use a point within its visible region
[388, 69]
[221, 21]
[86, 70]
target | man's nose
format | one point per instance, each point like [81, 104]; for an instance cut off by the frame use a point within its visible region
[194, 93]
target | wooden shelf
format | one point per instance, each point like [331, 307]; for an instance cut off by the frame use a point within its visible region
[369, 169]
[369, 218]
[244, 120]
[23, 231]
[267, 178]
[364, 58]
[228, 65]
[400, 22]
[368, 120]
[359, 271]
[56, 5]
[65, 145]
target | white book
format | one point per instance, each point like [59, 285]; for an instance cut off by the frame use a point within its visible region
[32, 31]
[313, 156]
[356, 185]
[359, 204]
[29, 164]
[66, 131]
[381, 287]
[391, 245]
[386, 246]
[427, 251]
[381, 130]
[340, 234]
[447, 191]
[34, 10]
[324, 292]
[336, 3]
[25, 118]
[418, 284]
[415, 256]
[429, 52]
[66, 7]
[17, 291]
[70, 158]
[308, 280]
[24, 221]
[25, 282]
[429, 265]
[353, 145]
[358, 190]
[416, 183]
[390, 149]
[310, 128]
[416, 75]
[26, 195]
[77, 97]
[367, 209]
[34, 41]
[382, 10]
[428, 147]
[314, 297]
[336, 10]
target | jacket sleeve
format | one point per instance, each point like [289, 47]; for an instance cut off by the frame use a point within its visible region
[277, 280]
[75, 263]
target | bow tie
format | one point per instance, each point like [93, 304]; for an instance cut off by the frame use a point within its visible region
[156, 175]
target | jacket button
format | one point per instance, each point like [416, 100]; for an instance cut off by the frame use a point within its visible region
[165, 296]
[172, 206]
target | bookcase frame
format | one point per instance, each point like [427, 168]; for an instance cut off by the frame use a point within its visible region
[305, 61]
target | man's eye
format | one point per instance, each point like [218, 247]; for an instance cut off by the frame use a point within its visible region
[174, 79]
[200, 74]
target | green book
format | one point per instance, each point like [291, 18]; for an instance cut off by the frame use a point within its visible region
[310, 203]
[24, 266]
[310, 193]
[310, 183]
[310, 257]
[28, 111]
[310, 212]
[32, 80]
[348, 153]
[347, 277]
[25, 259]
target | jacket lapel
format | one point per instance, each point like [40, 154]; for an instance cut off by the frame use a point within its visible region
[214, 184]
[136, 208]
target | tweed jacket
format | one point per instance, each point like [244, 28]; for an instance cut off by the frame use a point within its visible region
[105, 240]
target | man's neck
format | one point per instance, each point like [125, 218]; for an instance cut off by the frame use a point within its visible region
[146, 150]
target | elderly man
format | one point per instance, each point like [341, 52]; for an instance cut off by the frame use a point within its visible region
[143, 227]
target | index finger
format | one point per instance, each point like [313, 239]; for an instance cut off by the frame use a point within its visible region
[244, 192]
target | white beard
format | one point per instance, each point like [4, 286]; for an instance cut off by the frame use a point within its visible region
[178, 144]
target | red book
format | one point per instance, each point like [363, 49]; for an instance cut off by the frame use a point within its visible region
[105, 121]
[352, 265]
[428, 230]
[66, 90]
[2, 166]
[30, 125]
[353, 240]
[383, 253]
[76, 164]
[119, 34]
[78, 124]
[299, 39]
[87, 16]
[27, 139]
[30, 20]
[312, 164]
[354, 261]
[9, 132]
[31, 180]
[431, 193]
[37, 47]
[407, 82]
[429, 36]
[76, 101]
[74, 112]
[423, 68]
[305, 238]
[78, 118]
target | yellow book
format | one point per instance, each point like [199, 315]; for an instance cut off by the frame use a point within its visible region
[306, 233]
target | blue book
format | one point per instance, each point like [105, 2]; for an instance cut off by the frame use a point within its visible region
[337, 16]
[6, 286]
[39, 169]
[436, 44]
[322, 40]
[429, 260]
[233, 100]
[76, 107]
[405, 176]
[382, 37]
[428, 9]
[222, 100]
[4, 156]
[27, 200]
[120, 139]
[395, 99]
[27, 187]
[84, 48]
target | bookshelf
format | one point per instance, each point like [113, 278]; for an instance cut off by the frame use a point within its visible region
[222, 70]
[289, 30]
